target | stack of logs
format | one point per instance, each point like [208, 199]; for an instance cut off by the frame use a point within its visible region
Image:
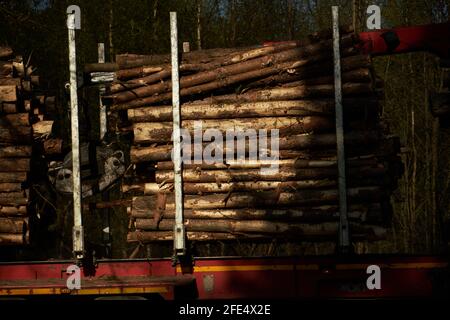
[20, 120]
[287, 86]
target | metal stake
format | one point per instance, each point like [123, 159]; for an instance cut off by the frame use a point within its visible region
[101, 59]
[78, 241]
[344, 232]
[179, 230]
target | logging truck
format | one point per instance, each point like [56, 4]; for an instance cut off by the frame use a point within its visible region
[309, 92]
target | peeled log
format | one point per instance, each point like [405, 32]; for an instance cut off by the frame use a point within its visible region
[11, 211]
[8, 107]
[15, 152]
[42, 128]
[190, 111]
[161, 132]
[12, 239]
[305, 141]
[324, 231]
[220, 187]
[53, 146]
[11, 225]
[317, 214]
[14, 164]
[282, 174]
[15, 120]
[20, 135]
[10, 187]
[13, 176]
[8, 93]
[265, 199]
[257, 164]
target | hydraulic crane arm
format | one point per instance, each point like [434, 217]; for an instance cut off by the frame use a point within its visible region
[433, 38]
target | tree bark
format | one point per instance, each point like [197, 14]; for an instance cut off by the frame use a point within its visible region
[11, 211]
[266, 199]
[12, 239]
[315, 232]
[192, 111]
[15, 165]
[363, 212]
[8, 93]
[15, 152]
[12, 225]
[162, 132]
[13, 177]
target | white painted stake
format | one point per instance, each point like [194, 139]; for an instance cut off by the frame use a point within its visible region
[344, 232]
[179, 230]
[78, 241]
[101, 59]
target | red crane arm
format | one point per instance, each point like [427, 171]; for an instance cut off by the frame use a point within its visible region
[434, 38]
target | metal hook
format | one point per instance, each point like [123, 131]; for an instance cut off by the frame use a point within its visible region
[76, 11]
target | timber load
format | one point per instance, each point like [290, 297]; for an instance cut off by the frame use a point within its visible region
[22, 121]
[281, 95]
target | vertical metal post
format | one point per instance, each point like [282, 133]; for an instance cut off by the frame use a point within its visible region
[179, 230]
[344, 232]
[78, 241]
[101, 59]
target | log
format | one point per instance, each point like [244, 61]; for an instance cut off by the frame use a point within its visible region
[8, 107]
[12, 239]
[107, 204]
[19, 135]
[282, 174]
[300, 91]
[11, 211]
[11, 82]
[42, 128]
[137, 72]
[5, 52]
[190, 111]
[12, 225]
[15, 152]
[243, 226]
[6, 69]
[10, 187]
[315, 232]
[224, 76]
[292, 92]
[361, 138]
[9, 200]
[8, 93]
[246, 186]
[53, 146]
[15, 120]
[266, 199]
[162, 132]
[363, 213]
[15, 164]
[12, 177]
[290, 163]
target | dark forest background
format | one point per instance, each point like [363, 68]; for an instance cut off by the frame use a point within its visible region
[421, 203]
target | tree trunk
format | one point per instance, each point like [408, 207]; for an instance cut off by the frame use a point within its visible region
[13, 211]
[191, 111]
[11, 225]
[266, 199]
[15, 152]
[8, 93]
[364, 212]
[282, 174]
[315, 232]
[162, 132]
[15, 165]
[13, 177]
